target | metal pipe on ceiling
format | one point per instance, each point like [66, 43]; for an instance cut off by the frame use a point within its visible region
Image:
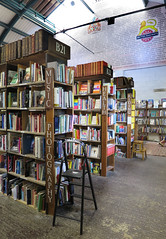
[111, 19]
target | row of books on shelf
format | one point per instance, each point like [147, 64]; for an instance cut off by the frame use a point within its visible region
[63, 123]
[35, 98]
[91, 134]
[121, 106]
[26, 144]
[159, 130]
[27, 168]
[111, 87]
[92, 151]
[88, 119]
[63, 73]
[111, 120]
[27, 192]
[39, 41]
[151, 103]
[156, 121]
[33, 122]
[63, 99]
[2, 99]
[142, 121]
[90, 87]
[120, 140]
[142, 129]
[87, 104]
[121, 129]
[121, 94]
[35, 72]
[140, 113]
[93, 68]
[2, 121]
[156, 113]
[121, 117]
[23, 74]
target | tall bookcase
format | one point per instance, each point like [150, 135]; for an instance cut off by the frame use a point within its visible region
[36, 118]
[125, 119]
[141, 118]
[151, 121]
[92, 96]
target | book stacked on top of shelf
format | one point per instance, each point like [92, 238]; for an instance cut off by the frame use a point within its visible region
[93, 68]
[27, 46]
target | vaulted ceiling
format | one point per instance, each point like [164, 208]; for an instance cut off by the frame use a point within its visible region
[20, 18]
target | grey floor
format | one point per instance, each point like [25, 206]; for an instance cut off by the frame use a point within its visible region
[131, 205]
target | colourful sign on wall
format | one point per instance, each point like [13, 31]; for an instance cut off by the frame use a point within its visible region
[148, 30]
[94, 27]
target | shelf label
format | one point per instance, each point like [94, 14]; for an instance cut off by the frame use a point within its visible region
[49, 88]
[129, 97]
[60, 49]
[104, 100]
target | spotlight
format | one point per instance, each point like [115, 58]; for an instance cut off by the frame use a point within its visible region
[72, 3]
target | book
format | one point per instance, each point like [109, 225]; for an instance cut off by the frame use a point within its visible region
[150, 103]
[27, 78]
[83, 88]
[28, 144]
[12, 77]
[97, 87]
[94, 152]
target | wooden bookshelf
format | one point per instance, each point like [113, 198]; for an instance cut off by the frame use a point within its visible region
[28, 119]
[89, 105]
[125, 117]
[151, 121]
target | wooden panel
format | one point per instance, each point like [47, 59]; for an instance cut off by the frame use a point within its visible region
[50, 170]
[49, 88]
[59, 48]
[129, 97]
[104, 130]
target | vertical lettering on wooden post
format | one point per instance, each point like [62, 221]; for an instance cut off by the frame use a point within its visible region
[50, 171]
[129, 98]
[104, 115]
[104, 100]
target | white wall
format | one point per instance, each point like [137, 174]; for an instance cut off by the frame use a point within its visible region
[117, 45]
[148, 79]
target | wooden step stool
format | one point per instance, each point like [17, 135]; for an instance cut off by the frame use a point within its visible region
[139, 148]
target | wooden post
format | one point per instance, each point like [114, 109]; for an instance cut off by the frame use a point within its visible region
[104, 115]
[50, 169]
[129, 98]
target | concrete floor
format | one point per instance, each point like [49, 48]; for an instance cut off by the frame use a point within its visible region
[131, 205]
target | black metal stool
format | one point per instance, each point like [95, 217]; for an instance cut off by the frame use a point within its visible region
[70, 175]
